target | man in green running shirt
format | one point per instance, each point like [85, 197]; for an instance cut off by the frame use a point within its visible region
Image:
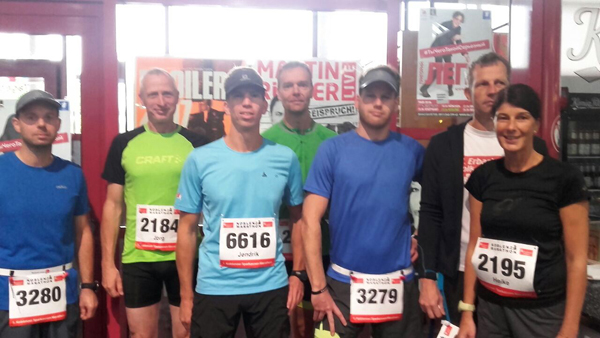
[303, 135]
[142, 171]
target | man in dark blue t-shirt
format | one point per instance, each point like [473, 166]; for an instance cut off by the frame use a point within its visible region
[365, 176]
[44, 223]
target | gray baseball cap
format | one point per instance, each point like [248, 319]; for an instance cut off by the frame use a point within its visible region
[379, 75]
[36, 95]
[241, 77]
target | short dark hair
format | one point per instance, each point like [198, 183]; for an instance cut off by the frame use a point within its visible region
[385, 68]
[292, 65]
[521, 96]
[485, 60]
[458, 13]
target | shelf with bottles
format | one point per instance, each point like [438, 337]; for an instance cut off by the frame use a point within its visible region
[583, 140]
[575, 158]
[591, 172]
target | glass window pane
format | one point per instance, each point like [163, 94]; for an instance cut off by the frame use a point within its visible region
[353, 35]
[23, 46]
[414, 16]
[214, 32]
[140, 31]
[500, 16]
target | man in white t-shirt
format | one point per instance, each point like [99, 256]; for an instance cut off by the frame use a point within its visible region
[450, 158]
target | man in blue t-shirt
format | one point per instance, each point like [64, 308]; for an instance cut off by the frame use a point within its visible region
[365, 177]
[44, 223]
[238, 182]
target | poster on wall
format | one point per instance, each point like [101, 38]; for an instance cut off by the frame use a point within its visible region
[11, 88]
[202, 94]
[10, 140]
[448, 41]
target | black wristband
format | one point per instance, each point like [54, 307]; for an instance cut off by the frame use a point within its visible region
[94, 286]
[430, 274]
[301, 275]
[319, 292]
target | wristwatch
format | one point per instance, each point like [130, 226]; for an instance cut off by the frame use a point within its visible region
[94, 286]
[301, 275]
[465, 307]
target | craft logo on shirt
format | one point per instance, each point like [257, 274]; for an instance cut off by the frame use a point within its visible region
[158, 159]
[61, 187]
[470, 163]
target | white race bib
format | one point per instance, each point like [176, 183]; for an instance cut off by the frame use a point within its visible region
[506, 268]
[285, 233]
[448, 330]
[38, 298]
[156, 227]
[376, 298]
[247, 243]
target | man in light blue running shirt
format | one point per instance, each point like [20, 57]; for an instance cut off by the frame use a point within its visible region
[238, 183]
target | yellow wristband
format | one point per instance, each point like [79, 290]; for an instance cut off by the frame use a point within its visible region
[465, 307]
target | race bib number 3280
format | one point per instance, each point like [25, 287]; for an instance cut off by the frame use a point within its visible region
[247, 243]
[36, 299]
[506, 268]
[156, 227]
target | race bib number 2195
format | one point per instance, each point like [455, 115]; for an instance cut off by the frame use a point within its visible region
[506, 268]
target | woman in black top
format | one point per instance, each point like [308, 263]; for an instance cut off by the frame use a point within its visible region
[529, 234]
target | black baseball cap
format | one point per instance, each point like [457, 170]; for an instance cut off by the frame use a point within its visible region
[241, 77]
[36, 95]
[379, 75]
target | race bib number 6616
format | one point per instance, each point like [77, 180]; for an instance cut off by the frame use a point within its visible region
[247, 243]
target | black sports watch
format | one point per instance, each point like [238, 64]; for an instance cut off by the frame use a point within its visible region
[301, 275]
[94, 286]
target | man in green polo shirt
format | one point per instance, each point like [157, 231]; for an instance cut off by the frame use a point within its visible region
[303, 135]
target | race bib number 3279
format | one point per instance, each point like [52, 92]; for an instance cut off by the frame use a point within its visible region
[247, 243]
[376, 298]
[37, 299]
[506, 268]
